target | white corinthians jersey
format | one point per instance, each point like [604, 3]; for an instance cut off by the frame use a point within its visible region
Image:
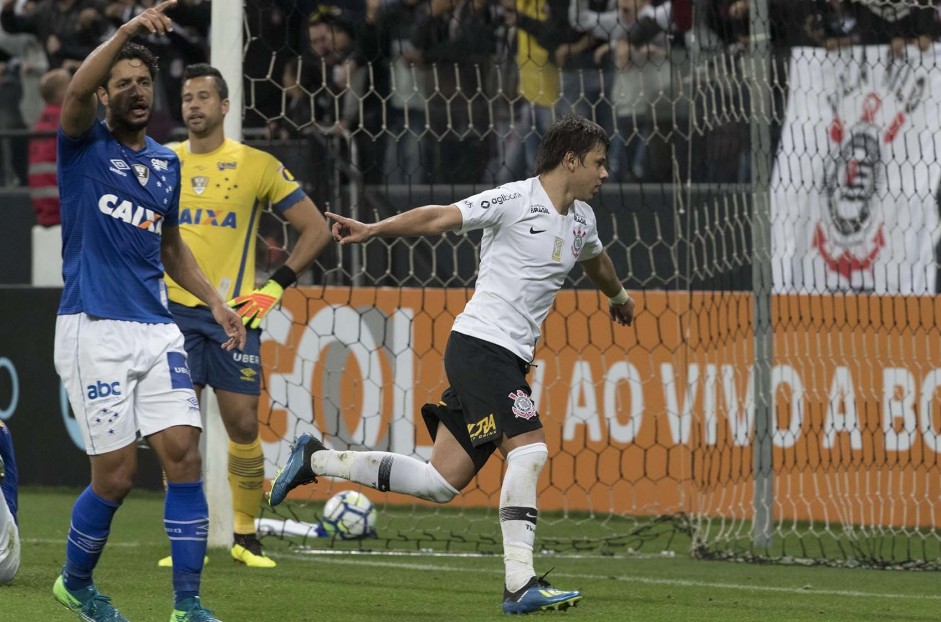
[527, 250]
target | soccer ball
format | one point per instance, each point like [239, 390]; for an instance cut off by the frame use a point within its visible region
[349, 515]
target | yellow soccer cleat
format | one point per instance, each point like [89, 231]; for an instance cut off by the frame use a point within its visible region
[247, 550]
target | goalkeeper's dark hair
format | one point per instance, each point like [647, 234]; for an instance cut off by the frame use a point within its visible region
[134, 51]
[200, 70]
[572, 133]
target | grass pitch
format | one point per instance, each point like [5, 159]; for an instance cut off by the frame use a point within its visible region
[350, 587]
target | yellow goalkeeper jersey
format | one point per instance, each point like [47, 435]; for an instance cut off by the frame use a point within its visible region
[222, 196]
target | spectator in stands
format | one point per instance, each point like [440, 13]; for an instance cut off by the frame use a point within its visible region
[641, 82]
[12, 148]
[9, 528]
[370, 86]
[325, 62]
[273, 28]
[539, 29]
[67, 29]
[587, 71]
[328, 68]
[408, 80]
[295, 119]
[43, 188]
[28, 53]
[455, 39]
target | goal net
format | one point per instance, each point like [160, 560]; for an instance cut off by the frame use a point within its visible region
[772, 207]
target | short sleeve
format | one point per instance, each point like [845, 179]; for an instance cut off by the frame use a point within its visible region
[172, 217]
[280, 187]
[591, 246]
[498, 207]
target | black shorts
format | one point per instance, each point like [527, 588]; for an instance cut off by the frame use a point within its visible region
[488, 397]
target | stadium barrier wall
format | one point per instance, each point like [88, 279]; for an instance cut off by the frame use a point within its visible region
[651, 420]
[638, 420]
[16, 251]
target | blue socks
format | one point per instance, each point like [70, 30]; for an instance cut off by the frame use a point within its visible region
[186, 519]
[91, 524]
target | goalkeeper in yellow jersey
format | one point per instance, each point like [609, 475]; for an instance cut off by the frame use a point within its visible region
[225, 186]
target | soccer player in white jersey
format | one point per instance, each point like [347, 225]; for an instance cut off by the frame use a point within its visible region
[117, 350]
[534, 232]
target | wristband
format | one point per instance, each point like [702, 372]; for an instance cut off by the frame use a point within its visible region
[620, 299]
[284, 276]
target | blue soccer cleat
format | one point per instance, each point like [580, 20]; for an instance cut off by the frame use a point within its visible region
[191, 610]
[296, 472]
[538, 596]
[88, 603]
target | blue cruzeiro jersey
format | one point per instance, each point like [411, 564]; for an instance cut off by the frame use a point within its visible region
[114, 203]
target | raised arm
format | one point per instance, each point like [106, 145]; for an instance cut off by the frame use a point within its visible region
[80, 104]
[427, 220]
[600, 269]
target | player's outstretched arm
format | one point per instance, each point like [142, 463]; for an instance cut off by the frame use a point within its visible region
[427, 220]
[600, 269]
[179, 263]
[80, 104]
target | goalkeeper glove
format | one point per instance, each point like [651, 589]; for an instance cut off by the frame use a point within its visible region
[255, 305]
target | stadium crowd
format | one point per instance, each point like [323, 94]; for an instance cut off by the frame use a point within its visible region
[459, 91]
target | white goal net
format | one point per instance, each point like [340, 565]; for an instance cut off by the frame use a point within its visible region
[772, 208]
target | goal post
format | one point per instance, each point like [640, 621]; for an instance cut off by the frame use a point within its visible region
[759, 83]
[226, 46]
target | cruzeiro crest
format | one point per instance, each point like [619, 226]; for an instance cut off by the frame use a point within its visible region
[142, 173]
[199, 183]
[523, 406]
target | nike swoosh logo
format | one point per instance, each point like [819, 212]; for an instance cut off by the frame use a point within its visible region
[535, 231]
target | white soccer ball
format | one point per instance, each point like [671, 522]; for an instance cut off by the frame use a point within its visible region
[349, 515]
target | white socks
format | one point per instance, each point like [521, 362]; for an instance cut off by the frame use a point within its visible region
[518, 513]
[385, 472]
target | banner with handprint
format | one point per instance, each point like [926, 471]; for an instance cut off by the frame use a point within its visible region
[855, 182]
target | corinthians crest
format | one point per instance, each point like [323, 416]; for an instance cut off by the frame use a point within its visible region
[851, 235]
[523, 406]
[579, 240]
[199, 183]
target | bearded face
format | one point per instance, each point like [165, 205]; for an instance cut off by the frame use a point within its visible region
[129, 95]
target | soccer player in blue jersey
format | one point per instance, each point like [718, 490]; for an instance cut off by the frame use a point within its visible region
[119, 354]
[534, 232]
[225, 187]
[9, 528]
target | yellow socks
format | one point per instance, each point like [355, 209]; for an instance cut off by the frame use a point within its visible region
[246, 477]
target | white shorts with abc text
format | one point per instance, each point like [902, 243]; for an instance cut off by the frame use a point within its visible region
[123, 379]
